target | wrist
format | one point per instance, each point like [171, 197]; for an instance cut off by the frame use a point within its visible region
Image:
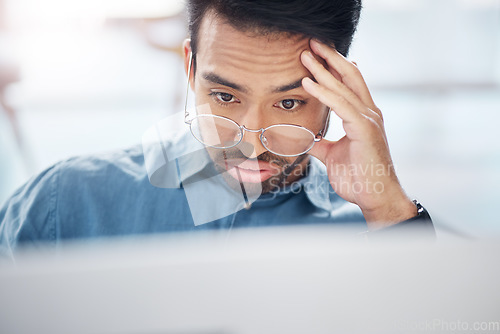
[393, 212]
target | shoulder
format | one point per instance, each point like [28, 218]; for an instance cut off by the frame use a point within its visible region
[89, 187]
[75, 171]
[104, 167]
[130, 159]
[68, 191]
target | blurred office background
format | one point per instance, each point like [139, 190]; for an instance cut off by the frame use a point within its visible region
[85, 76]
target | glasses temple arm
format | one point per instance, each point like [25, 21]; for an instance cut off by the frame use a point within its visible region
[322, 133]
[186, 112]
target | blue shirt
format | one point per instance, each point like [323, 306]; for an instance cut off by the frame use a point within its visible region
[113, 195]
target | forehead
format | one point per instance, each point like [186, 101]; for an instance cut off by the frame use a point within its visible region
[221, 47]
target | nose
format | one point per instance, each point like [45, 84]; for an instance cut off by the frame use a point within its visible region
[251, 146]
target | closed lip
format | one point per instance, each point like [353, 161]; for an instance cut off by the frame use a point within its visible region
[250, 165]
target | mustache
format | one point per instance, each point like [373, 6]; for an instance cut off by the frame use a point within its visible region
[267, 156]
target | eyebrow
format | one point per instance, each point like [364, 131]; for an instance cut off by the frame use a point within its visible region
[216, 79]
[286, 88]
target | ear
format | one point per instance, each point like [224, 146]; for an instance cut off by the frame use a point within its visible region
[186, 46]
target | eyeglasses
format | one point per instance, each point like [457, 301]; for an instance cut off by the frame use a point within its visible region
[287, 140]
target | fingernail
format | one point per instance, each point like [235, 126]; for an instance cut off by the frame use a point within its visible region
[306, 81]
[317, 42]
[309, 54]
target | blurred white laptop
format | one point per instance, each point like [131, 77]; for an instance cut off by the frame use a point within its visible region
[301, 280]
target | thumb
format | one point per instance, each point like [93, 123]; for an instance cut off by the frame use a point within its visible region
[322, 149]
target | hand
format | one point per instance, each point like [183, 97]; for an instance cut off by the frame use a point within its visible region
[359, 165]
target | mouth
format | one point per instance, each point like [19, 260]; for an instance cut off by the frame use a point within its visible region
[250, 171]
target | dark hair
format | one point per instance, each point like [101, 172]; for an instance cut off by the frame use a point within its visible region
[331, 21]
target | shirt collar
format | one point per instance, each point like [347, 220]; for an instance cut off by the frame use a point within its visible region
[189, 154]
[317, 185]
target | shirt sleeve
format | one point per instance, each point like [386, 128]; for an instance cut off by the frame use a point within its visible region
[29, 215]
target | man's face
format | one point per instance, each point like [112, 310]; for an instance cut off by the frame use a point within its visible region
[254, 80]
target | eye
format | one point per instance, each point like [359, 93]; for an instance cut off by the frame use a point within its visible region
[289, 104]
[224, 98]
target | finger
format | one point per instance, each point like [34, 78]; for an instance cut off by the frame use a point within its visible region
[337, 102]
[322, 149]
[321, 74]
[358, 126]
[326, 79]
[350, 74]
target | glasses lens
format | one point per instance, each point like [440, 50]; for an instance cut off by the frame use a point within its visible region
[215, 131]
[288, 140]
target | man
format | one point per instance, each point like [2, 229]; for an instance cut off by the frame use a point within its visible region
[266, 76]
